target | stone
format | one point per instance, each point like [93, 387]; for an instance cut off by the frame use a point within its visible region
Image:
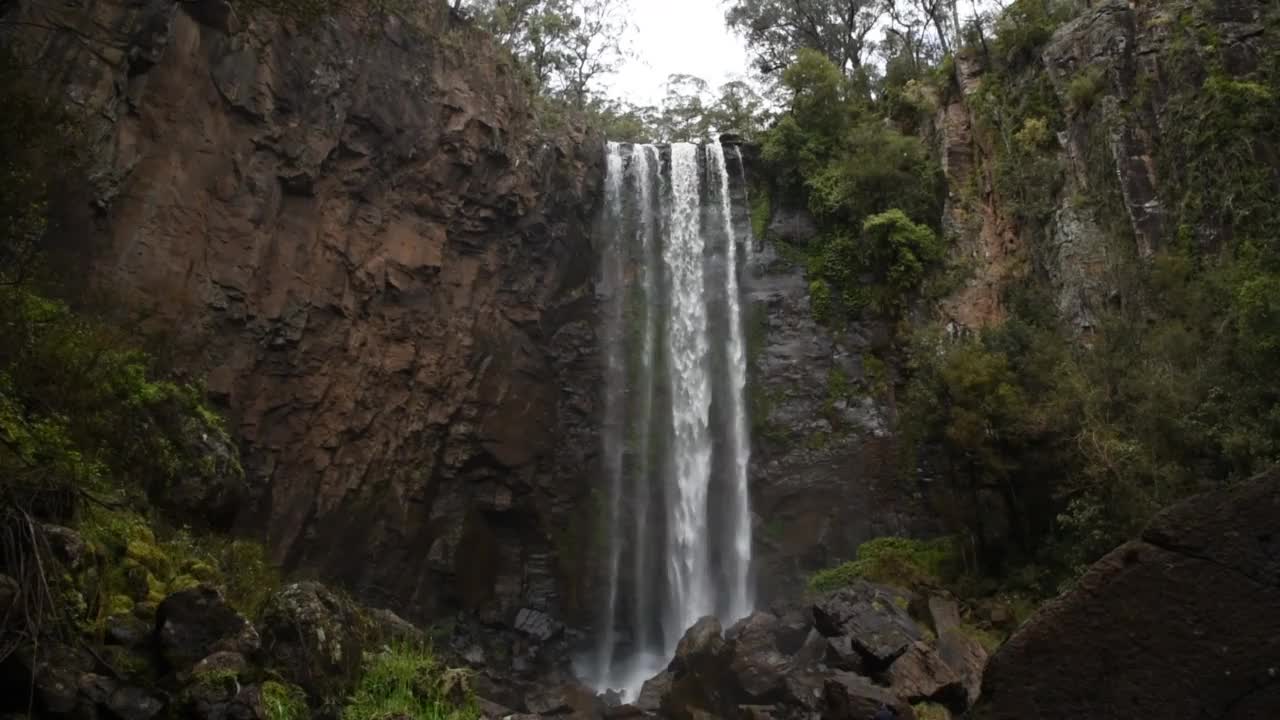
[390, 627]
[758, 667]
[701, 681]
[569, 699]
[67, 545]
[537, 624]
[653, 690]
[192, 624]
[214, 489]
[966, 657]
[128, 631]
[920, 675]
[1182, 623]
[133, 703]
[223, 661]
[852, 696]
[841, 655]
[944, 613]
[314, 637]
[97, 689]
[56, 671]
[878, 629]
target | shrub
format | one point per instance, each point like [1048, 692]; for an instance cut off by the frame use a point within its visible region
[1085, 88]
[892, 560]
[282, 701]
[405, 680]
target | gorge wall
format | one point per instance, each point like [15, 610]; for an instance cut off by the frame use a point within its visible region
[355, 228]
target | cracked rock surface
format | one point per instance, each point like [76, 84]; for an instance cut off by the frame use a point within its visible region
[1184, 623]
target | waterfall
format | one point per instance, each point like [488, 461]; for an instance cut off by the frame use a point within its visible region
[675, 442]
[739, 440]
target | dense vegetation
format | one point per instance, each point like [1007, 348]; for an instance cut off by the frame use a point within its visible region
[118, 480]
[1057, 445]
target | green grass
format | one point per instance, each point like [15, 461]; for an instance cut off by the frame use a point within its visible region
[284, 702]
[406, 680]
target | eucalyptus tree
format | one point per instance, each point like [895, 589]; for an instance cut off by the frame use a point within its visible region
[777, 30]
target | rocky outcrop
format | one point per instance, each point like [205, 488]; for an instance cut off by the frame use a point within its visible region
[823, 470]
[355, 228]
[1179, 624]
[1110, 70]
[787, 663]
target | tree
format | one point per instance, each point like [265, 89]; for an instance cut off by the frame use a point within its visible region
[740, 109]
[595, 46]
[777, 30]
[567, 45]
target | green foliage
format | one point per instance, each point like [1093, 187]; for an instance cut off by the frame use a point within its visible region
[931, 711]
[1085, 88]
[894, 561]
[282, 701]
[138, 560]
[81, 410]
[881, 269]
[1024, 27]
[875, 193]
[406, 681]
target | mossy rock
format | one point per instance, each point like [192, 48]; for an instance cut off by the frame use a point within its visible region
[119, 605]
[149, 556]
[315, 637]
[142, 585]
[201, 571]
[182, 582]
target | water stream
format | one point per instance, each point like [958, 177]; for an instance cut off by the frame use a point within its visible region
[675, 439]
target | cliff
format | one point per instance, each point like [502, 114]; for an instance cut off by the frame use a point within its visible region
[356, 229]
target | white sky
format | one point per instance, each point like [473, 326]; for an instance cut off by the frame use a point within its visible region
[677, 36]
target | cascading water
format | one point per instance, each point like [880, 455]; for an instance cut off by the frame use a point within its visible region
[675, 439]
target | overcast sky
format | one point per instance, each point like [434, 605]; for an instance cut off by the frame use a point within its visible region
[677, 36]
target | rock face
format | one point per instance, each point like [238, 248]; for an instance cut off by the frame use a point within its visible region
[1180, 624]
[1107, 153]
[823, 466]
[355, 228]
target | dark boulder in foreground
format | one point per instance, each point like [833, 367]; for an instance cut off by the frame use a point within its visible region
[1182, 624]
[840, 658]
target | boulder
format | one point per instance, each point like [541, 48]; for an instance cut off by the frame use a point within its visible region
[538, 625]
[55, 670]
[700, 679]
[195, 623]
[653, 690]
[314, 637]
[878, 628]
[127, 630]
[758, 667]
[134, 703]
[223, 662]
[1181, 624]
[966, 657]
[841, 655]
[852, 697]
[919, 674]
[67, 545]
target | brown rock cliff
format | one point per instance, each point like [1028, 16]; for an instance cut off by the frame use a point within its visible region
[356, 229]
